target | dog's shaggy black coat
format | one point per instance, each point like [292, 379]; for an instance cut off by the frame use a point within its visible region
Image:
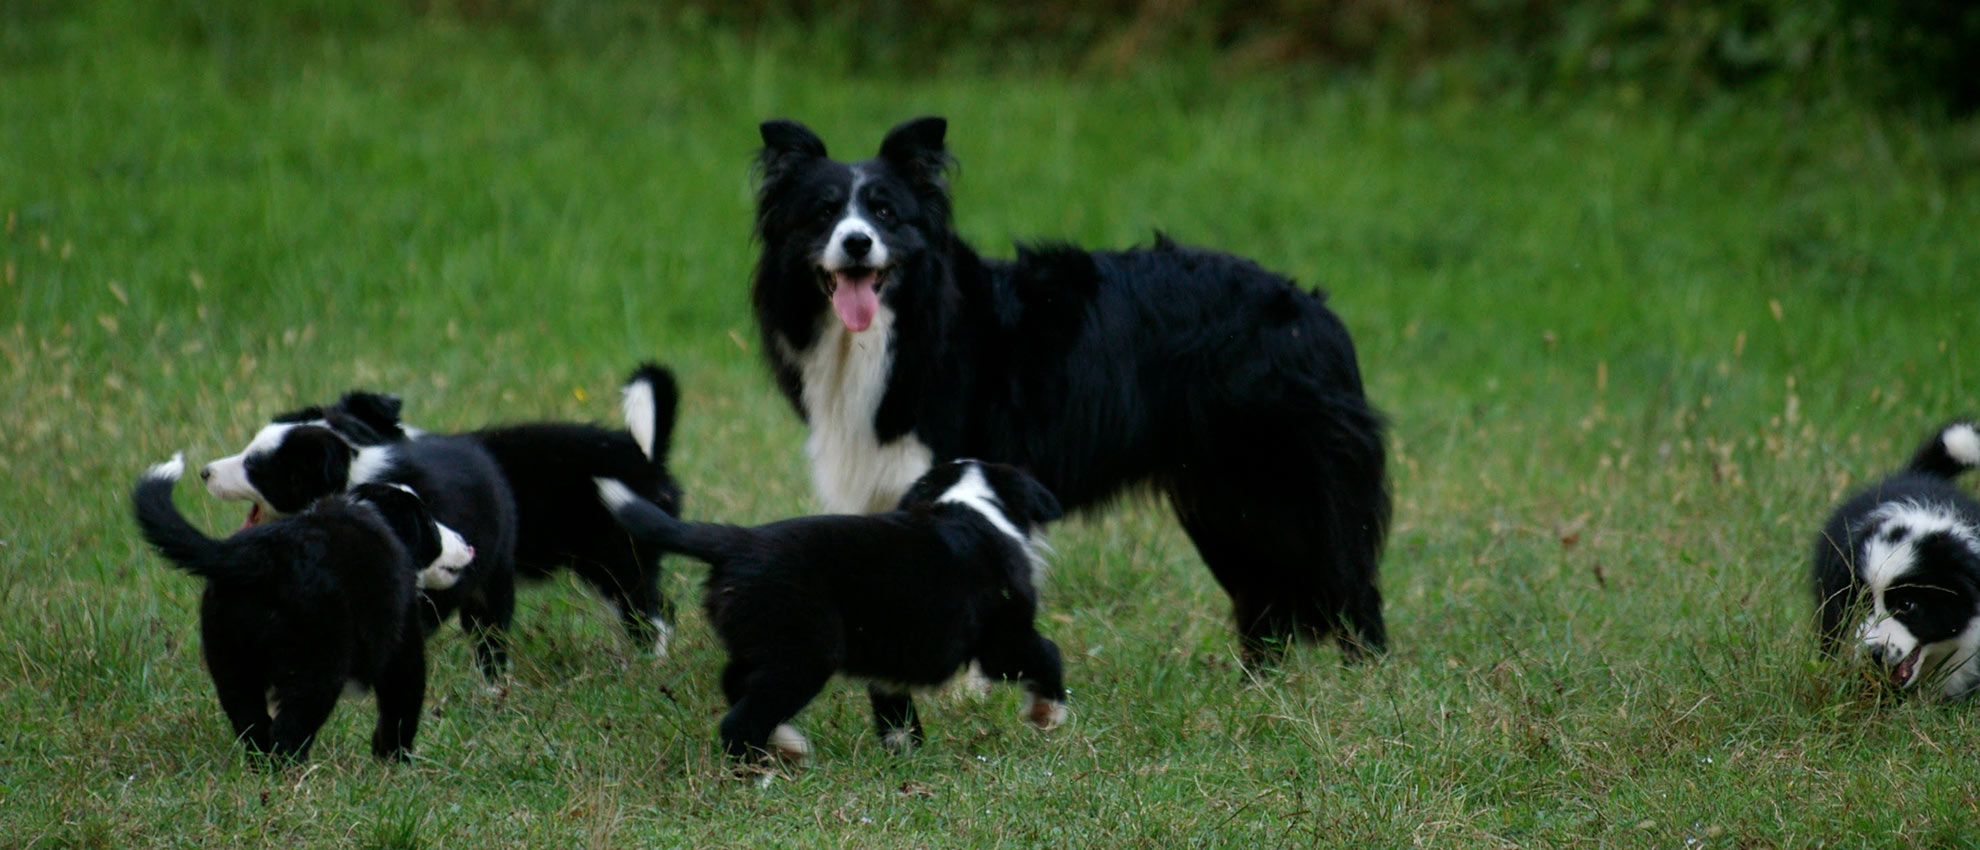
[903, 599]
[1218, 382]
[306, 455]
[299, 607]
[549, 467]
[1902, 557]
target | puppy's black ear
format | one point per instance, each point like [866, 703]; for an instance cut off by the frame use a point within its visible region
[916, 148]
[304, 415]
[785, 145]
[1044, 506]
[378, 412]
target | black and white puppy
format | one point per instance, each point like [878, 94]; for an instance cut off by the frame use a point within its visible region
[1897, 570]
[301, 609]
[1215, 381]
[903, 599]
[549, 467]
[304, 456]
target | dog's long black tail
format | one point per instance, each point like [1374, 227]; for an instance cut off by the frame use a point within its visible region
[650, 400]
[167, 529]
[1951, 450]
[703, 541]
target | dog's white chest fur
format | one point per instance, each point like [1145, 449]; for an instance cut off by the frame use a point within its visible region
[844, 376]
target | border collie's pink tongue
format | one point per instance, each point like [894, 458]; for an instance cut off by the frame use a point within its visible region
[856, 298]
[254, 516]
[1907, 668]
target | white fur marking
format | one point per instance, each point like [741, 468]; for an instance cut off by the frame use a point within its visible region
[370, 464]
[662, 633]
[1046, 714]
[1963, 444]
[898, 741]
[787, 743]
[455, 555]
[614, 493]
[973, 491]
[835, 256]
[168, 470]
[636, 401]
[844, 377]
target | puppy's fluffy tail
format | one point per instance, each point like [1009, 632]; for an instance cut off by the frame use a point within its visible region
[167, 529]
[650, 400]
[647, 523]
[1951, 450]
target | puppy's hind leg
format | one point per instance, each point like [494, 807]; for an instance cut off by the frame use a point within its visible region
[894, 717]
[304, 707]
[401, 691]
[761, 700]
[245, 697]
[485, 616]
[1026, 656]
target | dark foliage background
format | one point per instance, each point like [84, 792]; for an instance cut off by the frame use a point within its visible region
[1914, 53]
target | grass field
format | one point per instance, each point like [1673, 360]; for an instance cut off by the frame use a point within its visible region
[1631, 354]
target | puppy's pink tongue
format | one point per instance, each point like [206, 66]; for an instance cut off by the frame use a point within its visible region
[856, 299]
[253, 517]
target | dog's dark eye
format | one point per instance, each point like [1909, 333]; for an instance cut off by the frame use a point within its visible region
[882, 210]
[1905, 607]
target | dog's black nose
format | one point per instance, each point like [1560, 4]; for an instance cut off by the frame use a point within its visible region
[205, 473]
[857, 244]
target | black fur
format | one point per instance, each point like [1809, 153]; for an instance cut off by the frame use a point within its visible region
[904, 599]
[549, 467]
[1939, 596]
[1215, 381]
[297, 607]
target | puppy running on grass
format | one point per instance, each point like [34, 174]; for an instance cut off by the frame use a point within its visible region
[903, 599]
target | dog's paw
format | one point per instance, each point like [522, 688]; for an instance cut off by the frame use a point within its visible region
[788, 745]
[1045, 714]
[662, 634]
[900, 741]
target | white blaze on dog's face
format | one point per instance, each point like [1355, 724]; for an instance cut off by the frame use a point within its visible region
[1916, 564]
[857, 258]
[227, 478]
[455, 555]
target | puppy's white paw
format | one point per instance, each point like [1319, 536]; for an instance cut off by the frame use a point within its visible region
[789, 745]
[1046, 714]
[900, 742]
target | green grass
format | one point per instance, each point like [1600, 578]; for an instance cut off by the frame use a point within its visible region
[1631, 357]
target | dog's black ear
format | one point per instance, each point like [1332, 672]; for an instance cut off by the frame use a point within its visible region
[306, 414]
[408, 519]
[311, 463]
[1044, 506]
[916, 148]
[377, 413]
[785, 145]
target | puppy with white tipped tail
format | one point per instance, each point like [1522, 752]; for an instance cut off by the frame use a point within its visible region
[1897, 570]
[300, 609]
[903, 599]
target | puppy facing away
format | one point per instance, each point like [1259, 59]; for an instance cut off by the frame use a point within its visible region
[902, 599]
[1897, 570]
[1195, 373]
[302, 457]
[549, 467]
[300, 609]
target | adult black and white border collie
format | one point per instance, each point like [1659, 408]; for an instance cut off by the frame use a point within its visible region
[1218, 382]
[902, 599]
[549, 467]
[299, 610]
[1897, 570]
[304, 456]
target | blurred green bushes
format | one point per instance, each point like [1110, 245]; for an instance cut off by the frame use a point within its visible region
[1914, 52]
